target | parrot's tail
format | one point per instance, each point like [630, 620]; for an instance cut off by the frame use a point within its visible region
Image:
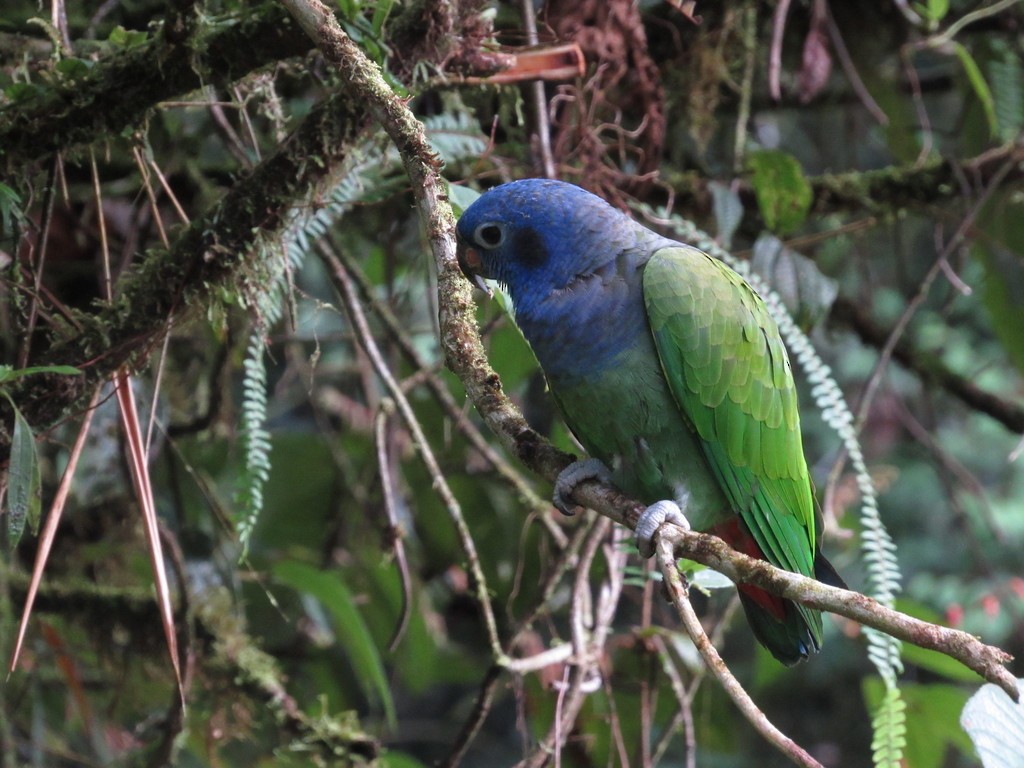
[790, 631]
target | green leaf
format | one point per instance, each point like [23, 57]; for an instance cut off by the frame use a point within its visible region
[932, 712]
[728, 210]
[1003, 296]
[807, 293]
[126, 38]
[938, 663]
[392, 759]
[783, 193]
[1006, 75]
[709, 579]
[930, 715]
[996, 726]
[888, 722]
[461, 198]
[353, 633]
[455, 135]
[23, 489]
[11, 214]
[702, 577]
[349, 8]
[22, 92]
[980, 86]
[72, 68]
[936, 10]
[9, 373]
[933, 661]
[380, 15]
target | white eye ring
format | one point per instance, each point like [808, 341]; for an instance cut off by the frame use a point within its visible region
[490, 235]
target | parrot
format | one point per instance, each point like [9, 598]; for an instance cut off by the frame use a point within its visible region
[669, 370]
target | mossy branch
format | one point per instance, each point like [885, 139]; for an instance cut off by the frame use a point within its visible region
[232, 652]
[119, 91]
[216, 252]
[878, 192]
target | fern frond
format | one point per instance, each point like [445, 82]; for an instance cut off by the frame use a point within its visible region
[1006, 76]
[255, 441]
[369, 172]
[889, 724]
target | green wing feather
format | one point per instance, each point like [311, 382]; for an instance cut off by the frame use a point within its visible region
[729, 373]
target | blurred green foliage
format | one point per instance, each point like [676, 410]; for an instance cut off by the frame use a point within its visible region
[290, 646]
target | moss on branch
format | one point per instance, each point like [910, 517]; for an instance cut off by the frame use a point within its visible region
[119, 90]
[881, 192]
[217, 251]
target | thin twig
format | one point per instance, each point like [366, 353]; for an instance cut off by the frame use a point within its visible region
[922, 291]
[395, 538]
[775, 52]
[925, 123]
[953, 29]
[988, 661]
[139, 471]
[850, 69]
[587, 644]
[140, 162]
[683, 717]
[746, 705]
[443, 395]
[568, 560]
[108, 283]
[50, 529]
[746, 87]
[538, 99]
[887, 350]
[929, 367]
[39, 253]
[353, 309]
[169, 192]
[472, 726]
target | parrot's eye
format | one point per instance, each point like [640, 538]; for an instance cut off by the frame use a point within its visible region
[489, 234]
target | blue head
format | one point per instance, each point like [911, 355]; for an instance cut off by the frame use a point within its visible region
[536, 236]
[572, 264]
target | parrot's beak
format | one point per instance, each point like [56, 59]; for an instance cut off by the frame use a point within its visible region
[469, 262]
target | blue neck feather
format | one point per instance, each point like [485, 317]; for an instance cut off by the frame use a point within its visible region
[584, 328]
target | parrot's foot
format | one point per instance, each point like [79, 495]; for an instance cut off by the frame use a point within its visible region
[651, 520]
[573, 475]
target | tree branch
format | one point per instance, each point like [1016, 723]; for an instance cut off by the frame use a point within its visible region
[929, 368]
[464, 352]
[118, 92]
[878, 192]
[986, 660]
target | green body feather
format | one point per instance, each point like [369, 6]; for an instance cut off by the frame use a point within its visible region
[707, 412]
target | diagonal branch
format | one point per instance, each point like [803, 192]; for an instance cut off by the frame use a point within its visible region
[929, 368]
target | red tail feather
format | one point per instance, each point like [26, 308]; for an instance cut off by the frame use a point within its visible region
[736, 536]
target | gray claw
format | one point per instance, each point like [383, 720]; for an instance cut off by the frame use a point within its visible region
[651, 520]
[573, 475]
